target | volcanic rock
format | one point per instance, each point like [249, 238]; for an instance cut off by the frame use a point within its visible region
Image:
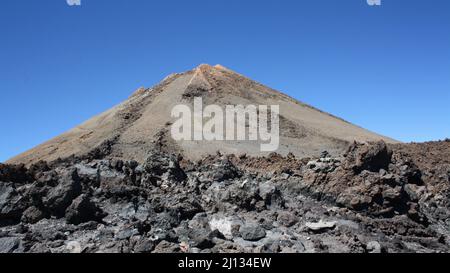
[33, 215]
[372, 158]
[252, 233]
[9, 244]
[83, 210]
[287, 219]
[61, 196]
[12, 204]
[320, 226]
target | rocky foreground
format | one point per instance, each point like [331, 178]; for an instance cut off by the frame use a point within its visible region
[375, 198]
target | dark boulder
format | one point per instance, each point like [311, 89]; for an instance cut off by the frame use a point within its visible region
[37, 169]
[61, 196]
[15, 174]
[371, 157]
[244, 195]
[12, 204]
[83, 210]
[144, 246]
[225, 170]
[167, 247]
[184, 207]
[252, 233]
[33, 215]
[204, 238]
[160, 166]
[287, 219]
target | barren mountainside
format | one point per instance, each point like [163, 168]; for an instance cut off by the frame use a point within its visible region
[142, 122]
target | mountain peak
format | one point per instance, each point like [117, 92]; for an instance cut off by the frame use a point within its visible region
[209, 67]
[204, 67]
[221, 67]
[128, 130]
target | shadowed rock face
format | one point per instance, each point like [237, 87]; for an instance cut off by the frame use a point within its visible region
[372, 198]
[142, 122]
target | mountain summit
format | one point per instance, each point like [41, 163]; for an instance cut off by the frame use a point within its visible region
[142, 122]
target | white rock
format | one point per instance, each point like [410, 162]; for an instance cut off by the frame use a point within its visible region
[373, 247]
[224, 225]
[74, 247]
[321, 225]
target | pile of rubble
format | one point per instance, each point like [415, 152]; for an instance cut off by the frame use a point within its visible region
[372, 199]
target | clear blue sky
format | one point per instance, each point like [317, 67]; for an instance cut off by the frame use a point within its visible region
[384, 68]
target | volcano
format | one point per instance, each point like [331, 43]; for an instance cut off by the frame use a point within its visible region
[142, 122]
[121, 183]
